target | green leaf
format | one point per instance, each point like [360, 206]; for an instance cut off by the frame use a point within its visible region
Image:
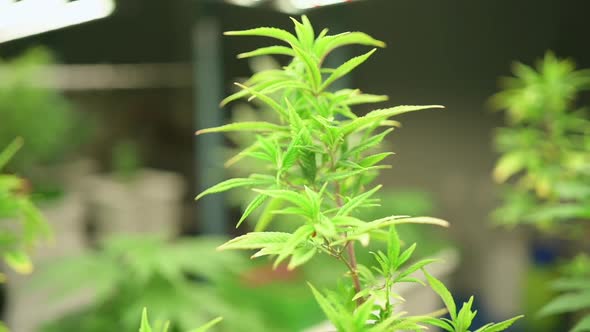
[267, 51]
[502, 325]
[208, 325]
[327, 44]
[10, 151]
[266, 99]
[355, 202]
[567, 303]
[583, 325]
[508, 165]
[346, 68]
[19, 261]
[312, 68]
[236, 183]
[328, 309]
[254, 204]
[299, 237]
[280, 34]
[249, 126]
[267, 215]
[256, 240]
[368, 143]
[381, 114]
[301, 256]
[443, 292]
[145, 323]
[374, 159]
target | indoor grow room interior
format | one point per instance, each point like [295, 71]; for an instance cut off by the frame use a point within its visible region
[142, 141]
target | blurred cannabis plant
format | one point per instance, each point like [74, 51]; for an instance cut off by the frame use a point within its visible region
[164, 327]
[22, 225]
[179, 281]
[545, 161]
[315, 171]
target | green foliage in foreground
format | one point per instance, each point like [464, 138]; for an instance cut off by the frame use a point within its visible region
[22, 225]
[146, 327]
[546, 153]
[319, 162]
[181, 282]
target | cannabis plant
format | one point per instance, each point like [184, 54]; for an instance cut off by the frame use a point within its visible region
[319, 167]
[545, 161]
[178, 281]
[22, 225]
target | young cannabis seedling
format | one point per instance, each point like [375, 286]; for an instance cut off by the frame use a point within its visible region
[319, 167]
[546, 153]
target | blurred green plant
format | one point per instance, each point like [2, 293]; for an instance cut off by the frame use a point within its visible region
[545, 161]
[126, 160]
[41, 116]
[180, 281]
[320, 160]
[146, 327]
[545, 149]
[23, 226]
[574, 284]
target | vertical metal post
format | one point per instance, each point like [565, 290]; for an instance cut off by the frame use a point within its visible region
[208, 91]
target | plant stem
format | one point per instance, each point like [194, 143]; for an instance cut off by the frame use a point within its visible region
[353, 270]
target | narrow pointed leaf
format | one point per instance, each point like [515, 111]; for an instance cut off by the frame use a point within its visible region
[248, 126]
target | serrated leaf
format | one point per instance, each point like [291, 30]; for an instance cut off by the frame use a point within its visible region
[346, 68]
[567, 303]
[311, 66]
[256, 240]
[276, 33]
[267, 51]
[267, 215]
[249, 126]
[301, 256]
[374, 159]
[327, 44]
[236, 183]
[331, 313]
[252, 206]
[266, 99]
[355, 202]
[381, 114]
[502, 325]
[297, 239]
[443, 292]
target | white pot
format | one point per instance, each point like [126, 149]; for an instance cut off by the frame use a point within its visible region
[418, 299]
[150, 203]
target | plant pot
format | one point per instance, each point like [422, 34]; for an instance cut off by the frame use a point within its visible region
[27, 304]
[151, 202]
[419, 299]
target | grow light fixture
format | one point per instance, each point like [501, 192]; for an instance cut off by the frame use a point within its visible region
[289, 6]
[24, 18]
